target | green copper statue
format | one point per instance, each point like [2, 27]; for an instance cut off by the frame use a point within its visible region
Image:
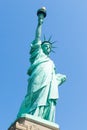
[43, 82]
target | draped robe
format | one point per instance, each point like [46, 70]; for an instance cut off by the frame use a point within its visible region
[43, 81]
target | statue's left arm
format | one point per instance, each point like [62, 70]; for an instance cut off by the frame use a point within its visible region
[60, 78]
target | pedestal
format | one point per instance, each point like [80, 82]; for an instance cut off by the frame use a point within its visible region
[29, 122]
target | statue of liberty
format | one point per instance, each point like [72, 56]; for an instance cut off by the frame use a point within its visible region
[43, 82]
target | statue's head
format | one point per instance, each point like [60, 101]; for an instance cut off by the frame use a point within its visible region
[47, 46]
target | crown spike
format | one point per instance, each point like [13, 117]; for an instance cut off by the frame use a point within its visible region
[44, 38]
[53, 51]
[50, 38]
[54, 47]
[54, 42]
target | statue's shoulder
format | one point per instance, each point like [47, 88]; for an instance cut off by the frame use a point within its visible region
[35, 46]
[36, 43]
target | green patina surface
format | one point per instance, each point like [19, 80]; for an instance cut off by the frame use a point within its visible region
[43, 82]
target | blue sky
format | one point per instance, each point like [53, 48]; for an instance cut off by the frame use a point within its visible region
[66, 21]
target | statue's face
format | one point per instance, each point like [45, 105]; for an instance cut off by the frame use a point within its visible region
[46, 47]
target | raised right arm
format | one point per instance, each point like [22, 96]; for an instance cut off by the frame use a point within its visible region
[41, 13]
[36, 50]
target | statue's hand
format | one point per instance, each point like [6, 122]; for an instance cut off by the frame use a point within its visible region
[60, 78]
[40, 21]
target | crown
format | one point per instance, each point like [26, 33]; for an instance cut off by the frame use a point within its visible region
[49, 42]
